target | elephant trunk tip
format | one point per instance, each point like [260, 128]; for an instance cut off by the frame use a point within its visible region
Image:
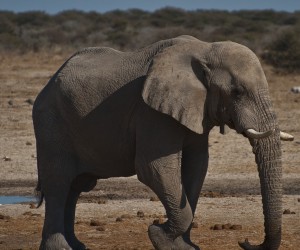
[247, 246]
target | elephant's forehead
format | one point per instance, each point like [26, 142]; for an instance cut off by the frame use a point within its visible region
[233, 54]
[242, 62]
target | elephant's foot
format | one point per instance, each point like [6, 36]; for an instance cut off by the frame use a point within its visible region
[54, 242]
[75, 243]
[180, 243]
[159, 238]
[163, 241]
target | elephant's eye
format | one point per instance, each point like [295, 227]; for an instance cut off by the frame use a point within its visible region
[238, 91]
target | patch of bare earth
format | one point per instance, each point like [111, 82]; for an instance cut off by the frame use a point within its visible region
[230, 194]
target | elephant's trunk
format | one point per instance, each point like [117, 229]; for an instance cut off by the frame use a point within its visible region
[270, 174]
[268, 158]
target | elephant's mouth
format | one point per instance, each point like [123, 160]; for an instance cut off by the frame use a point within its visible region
[249, 133]
[252, 133]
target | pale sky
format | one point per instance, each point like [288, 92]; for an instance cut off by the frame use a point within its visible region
[55, 6]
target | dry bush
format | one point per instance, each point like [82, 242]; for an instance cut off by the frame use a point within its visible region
[126, 30]
[284, 51]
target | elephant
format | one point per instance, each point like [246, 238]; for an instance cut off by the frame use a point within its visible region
[149, 112]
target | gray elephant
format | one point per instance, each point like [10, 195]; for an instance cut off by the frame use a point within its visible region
[107, 113]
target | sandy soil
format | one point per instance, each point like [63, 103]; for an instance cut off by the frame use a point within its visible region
[232, 175]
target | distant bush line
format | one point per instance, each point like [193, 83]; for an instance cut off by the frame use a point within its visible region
[273, 35]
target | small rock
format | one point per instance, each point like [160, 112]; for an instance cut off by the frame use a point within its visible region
[30, 101]
[295, 89]
[287, 211]
[96, 223]
[154, 198]
[32, 206]
[102, 201]
[194, 224]
[4, 217]
[28, 143]
[211, 194]
[236, 227]
[226, 226]
[10, 102]
[31, 214]
[101, 228]
[217, 227]
[158, 221]
[140, 214]
[5, 158]
[119, 219]
[126, 216]
[298, 199]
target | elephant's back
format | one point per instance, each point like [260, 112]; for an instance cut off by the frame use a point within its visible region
[91, 76]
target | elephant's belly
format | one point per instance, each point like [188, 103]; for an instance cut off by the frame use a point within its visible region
[107, 154]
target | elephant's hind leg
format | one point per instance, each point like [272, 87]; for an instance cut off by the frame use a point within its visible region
[56, 179]
[69, 220]
[82, 183]
[53, 230]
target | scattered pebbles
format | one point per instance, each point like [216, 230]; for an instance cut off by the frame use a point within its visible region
[227, 226]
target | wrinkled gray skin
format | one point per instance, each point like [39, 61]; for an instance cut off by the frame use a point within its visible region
[106, 113]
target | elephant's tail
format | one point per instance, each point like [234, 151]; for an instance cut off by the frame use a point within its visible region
[39, 194]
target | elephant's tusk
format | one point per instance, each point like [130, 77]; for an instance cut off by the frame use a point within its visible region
[253, 134]
[286, 137]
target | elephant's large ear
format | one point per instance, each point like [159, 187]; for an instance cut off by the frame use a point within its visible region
[175, 85]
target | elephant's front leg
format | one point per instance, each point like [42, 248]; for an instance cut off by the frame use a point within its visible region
[163, 176]
[194, 169]
[159, 143]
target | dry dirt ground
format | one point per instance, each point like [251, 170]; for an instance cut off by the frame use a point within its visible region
[230, 193]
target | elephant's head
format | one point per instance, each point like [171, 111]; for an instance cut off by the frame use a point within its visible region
[203, 85]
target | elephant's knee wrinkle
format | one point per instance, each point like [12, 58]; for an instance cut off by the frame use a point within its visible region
[181, 225]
